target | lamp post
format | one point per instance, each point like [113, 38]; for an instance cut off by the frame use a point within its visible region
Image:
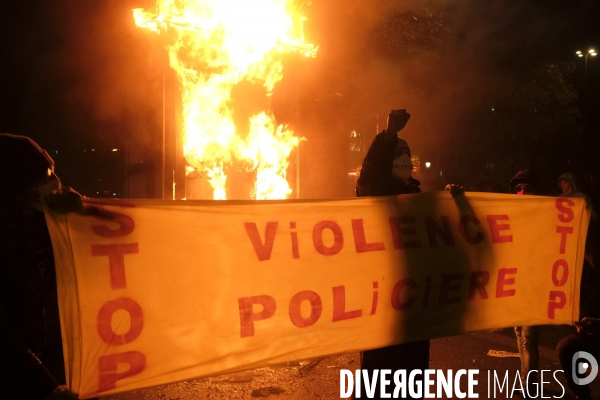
[590, 52]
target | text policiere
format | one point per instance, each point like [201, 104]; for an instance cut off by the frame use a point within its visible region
[453, 288]
[403, 230]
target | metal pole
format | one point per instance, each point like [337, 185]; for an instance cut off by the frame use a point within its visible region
[298, 171]
[585, 93]
[164, 128]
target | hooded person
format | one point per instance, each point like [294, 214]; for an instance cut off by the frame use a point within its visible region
[31, 358]
[567, 182]
[525, 181]
[386, 171]
[387, 168]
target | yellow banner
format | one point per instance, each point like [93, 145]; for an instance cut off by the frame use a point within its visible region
[171, 291]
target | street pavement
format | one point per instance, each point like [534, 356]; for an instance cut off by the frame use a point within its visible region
[471, 351]
[320, 379]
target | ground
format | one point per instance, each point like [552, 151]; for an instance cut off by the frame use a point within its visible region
[320, 379]
[310, 379]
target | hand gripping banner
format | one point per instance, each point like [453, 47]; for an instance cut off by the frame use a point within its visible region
[171, 291]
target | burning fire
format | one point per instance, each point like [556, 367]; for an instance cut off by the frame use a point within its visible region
[214, 45]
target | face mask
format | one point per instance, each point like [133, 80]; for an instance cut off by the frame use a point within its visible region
[402, 167]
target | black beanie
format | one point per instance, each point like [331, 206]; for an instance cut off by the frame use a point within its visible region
[22, 163]
[525, 176]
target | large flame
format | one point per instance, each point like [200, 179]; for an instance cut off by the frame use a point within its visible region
[213, 45]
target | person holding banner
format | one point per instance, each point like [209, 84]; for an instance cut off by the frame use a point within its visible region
[527, 182]
[387, 167]
[31, 358]
[386, 171]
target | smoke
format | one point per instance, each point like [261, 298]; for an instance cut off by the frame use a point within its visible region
[115, 72]
[438, 59]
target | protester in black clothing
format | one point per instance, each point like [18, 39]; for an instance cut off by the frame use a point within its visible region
[386, 170]
[31, 358]
[527, 182]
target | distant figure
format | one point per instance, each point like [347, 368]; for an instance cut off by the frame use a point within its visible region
[567, 183]
[527, 182]
[31, 358]
[386, 171]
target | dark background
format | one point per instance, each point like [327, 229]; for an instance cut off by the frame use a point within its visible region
[492, 87]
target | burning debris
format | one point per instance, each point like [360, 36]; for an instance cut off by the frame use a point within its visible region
[213, 46]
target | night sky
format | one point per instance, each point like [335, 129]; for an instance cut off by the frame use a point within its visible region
[78, 74]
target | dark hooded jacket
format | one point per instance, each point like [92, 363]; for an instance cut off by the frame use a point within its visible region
[376, 177]
[575, 192]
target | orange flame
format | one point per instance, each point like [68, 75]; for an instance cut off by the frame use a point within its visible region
[213, 45]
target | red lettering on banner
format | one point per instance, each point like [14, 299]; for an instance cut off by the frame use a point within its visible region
[433, 229]
[316, 308]
[564, 231]
[262, 250]
[104, 321]
[339, 305]
[294, 235]
[404, 295]
[404, 231]
[360, 241]
[560, 264]
[107, 368]
[401, 284]
[398, 232]
[248, 316]
[495, 228]
[338, 238]
[479, 279]
[116, 260]
[503, 280]
[447, 286]
[462, 228]
[566, 213]
[126, 226]
[557, 301]
[375, 298]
